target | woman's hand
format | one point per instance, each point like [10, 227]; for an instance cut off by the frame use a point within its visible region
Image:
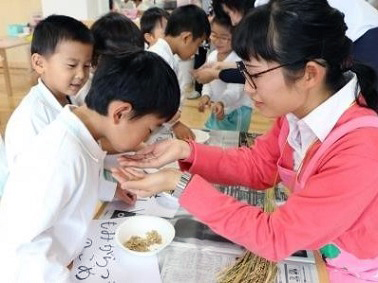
[224, 65]
[146, 185]
[157, 155]
[205, 75]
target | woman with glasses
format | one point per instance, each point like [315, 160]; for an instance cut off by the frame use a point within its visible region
[323, 146]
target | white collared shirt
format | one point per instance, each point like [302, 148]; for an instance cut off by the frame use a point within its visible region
[37, 110]
[162, 48]
[49, 201]
[360, 16]
[320, 121]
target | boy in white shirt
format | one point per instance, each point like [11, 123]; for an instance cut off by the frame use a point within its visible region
[232, 108]
[61, 55]
[58, 175]
[187, 28]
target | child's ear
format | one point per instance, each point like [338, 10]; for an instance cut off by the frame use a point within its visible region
[38, 63]
[148, 37]
[187, 37]
[120, 110]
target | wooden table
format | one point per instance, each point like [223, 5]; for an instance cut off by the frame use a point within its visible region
[8, 43]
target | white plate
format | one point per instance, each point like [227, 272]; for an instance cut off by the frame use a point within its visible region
[139, 226]
[201, 136]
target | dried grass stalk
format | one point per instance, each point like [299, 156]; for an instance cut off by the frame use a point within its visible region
[251, 268]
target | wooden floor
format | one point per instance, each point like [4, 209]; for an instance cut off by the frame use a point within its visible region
[22, 81]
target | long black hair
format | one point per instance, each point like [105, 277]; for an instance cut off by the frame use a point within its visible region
[294, 32]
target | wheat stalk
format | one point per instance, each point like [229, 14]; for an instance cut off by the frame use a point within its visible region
[251, 268]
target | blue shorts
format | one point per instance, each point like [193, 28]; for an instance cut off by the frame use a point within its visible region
[237, 120]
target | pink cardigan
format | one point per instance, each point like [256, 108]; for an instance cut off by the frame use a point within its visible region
[339, 202]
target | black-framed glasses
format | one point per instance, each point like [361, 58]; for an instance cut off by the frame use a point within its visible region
[213, 37]
[249, 77]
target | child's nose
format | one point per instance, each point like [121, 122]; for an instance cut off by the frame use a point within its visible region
[80, 73]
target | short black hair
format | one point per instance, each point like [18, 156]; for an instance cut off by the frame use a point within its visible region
[55, 29]
[223, 21]
[138, 77]
[189, 18]
[113, 33]
[151, 17]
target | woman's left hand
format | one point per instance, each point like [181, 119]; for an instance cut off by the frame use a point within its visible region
[146, 185]
[205, 75]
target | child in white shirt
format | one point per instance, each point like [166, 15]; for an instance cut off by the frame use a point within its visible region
[57, 176]
[231, 109]
[187, 28]
[152, 24]
[61, 55]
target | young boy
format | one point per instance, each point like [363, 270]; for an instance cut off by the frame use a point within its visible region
[152, 24]
[187, 28]
[58, 175]
[232, 109]
[61, 55]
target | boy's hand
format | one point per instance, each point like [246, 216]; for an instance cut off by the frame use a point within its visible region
[182, 132]
[204, 103]
[157, 155]
[147, 184]
[126, 196]
[218, 110]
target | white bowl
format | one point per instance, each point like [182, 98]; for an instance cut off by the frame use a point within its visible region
[201, 136]
[139, 226]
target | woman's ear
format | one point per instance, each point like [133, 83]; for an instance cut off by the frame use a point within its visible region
[314, 74]
[38, 63]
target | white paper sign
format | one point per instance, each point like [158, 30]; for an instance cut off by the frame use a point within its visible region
[102, 260]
